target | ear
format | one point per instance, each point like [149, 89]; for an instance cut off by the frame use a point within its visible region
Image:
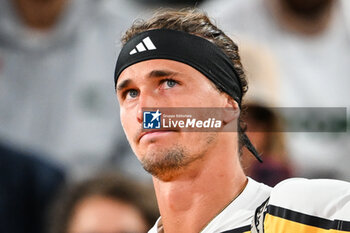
[231, 111]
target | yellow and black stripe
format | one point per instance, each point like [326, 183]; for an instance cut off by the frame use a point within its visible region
[245, 229]
[281, 220]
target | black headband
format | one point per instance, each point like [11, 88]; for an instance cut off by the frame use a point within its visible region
[192, 50]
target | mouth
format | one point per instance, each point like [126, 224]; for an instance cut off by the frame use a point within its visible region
[154, 133]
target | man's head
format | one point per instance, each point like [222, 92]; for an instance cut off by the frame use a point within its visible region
[41, 15]
[177, 82]
[103, 204]
[306, 17]
[196, 23]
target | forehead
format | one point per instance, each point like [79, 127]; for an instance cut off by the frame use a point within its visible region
[158, 67]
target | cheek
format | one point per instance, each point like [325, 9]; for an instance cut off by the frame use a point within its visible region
[208, 97]
[122, 117]
[126, 121]
[196, 140]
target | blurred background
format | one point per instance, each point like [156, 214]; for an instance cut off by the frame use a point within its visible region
[59, 116]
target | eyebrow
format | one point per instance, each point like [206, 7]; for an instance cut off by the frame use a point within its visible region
[123, 84]
[152, 74]
[160, 73]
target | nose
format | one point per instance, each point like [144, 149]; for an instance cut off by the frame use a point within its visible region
[139, 115]
[146, 100]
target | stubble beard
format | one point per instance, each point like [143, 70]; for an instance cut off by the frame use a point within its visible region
[165, 164]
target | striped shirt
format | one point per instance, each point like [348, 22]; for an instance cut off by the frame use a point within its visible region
[305, 206]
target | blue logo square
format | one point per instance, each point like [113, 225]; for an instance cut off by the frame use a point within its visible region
[151, 120]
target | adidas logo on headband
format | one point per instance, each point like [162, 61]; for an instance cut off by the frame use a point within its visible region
[144, 45]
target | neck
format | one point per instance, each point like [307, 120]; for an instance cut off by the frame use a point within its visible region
[189, 201]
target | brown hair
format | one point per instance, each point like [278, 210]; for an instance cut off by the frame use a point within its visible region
[195, 22]
[109, 185]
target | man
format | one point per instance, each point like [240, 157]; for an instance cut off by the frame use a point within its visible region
[180, 59]
[198, 181]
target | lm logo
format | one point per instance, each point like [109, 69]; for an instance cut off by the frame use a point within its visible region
[151, 120]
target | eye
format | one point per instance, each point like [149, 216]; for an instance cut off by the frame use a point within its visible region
[169, 83]
[131, 94]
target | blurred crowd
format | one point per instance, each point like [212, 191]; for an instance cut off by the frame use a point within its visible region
[62, 148]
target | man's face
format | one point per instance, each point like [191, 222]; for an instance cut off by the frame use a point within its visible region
[161, 83]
